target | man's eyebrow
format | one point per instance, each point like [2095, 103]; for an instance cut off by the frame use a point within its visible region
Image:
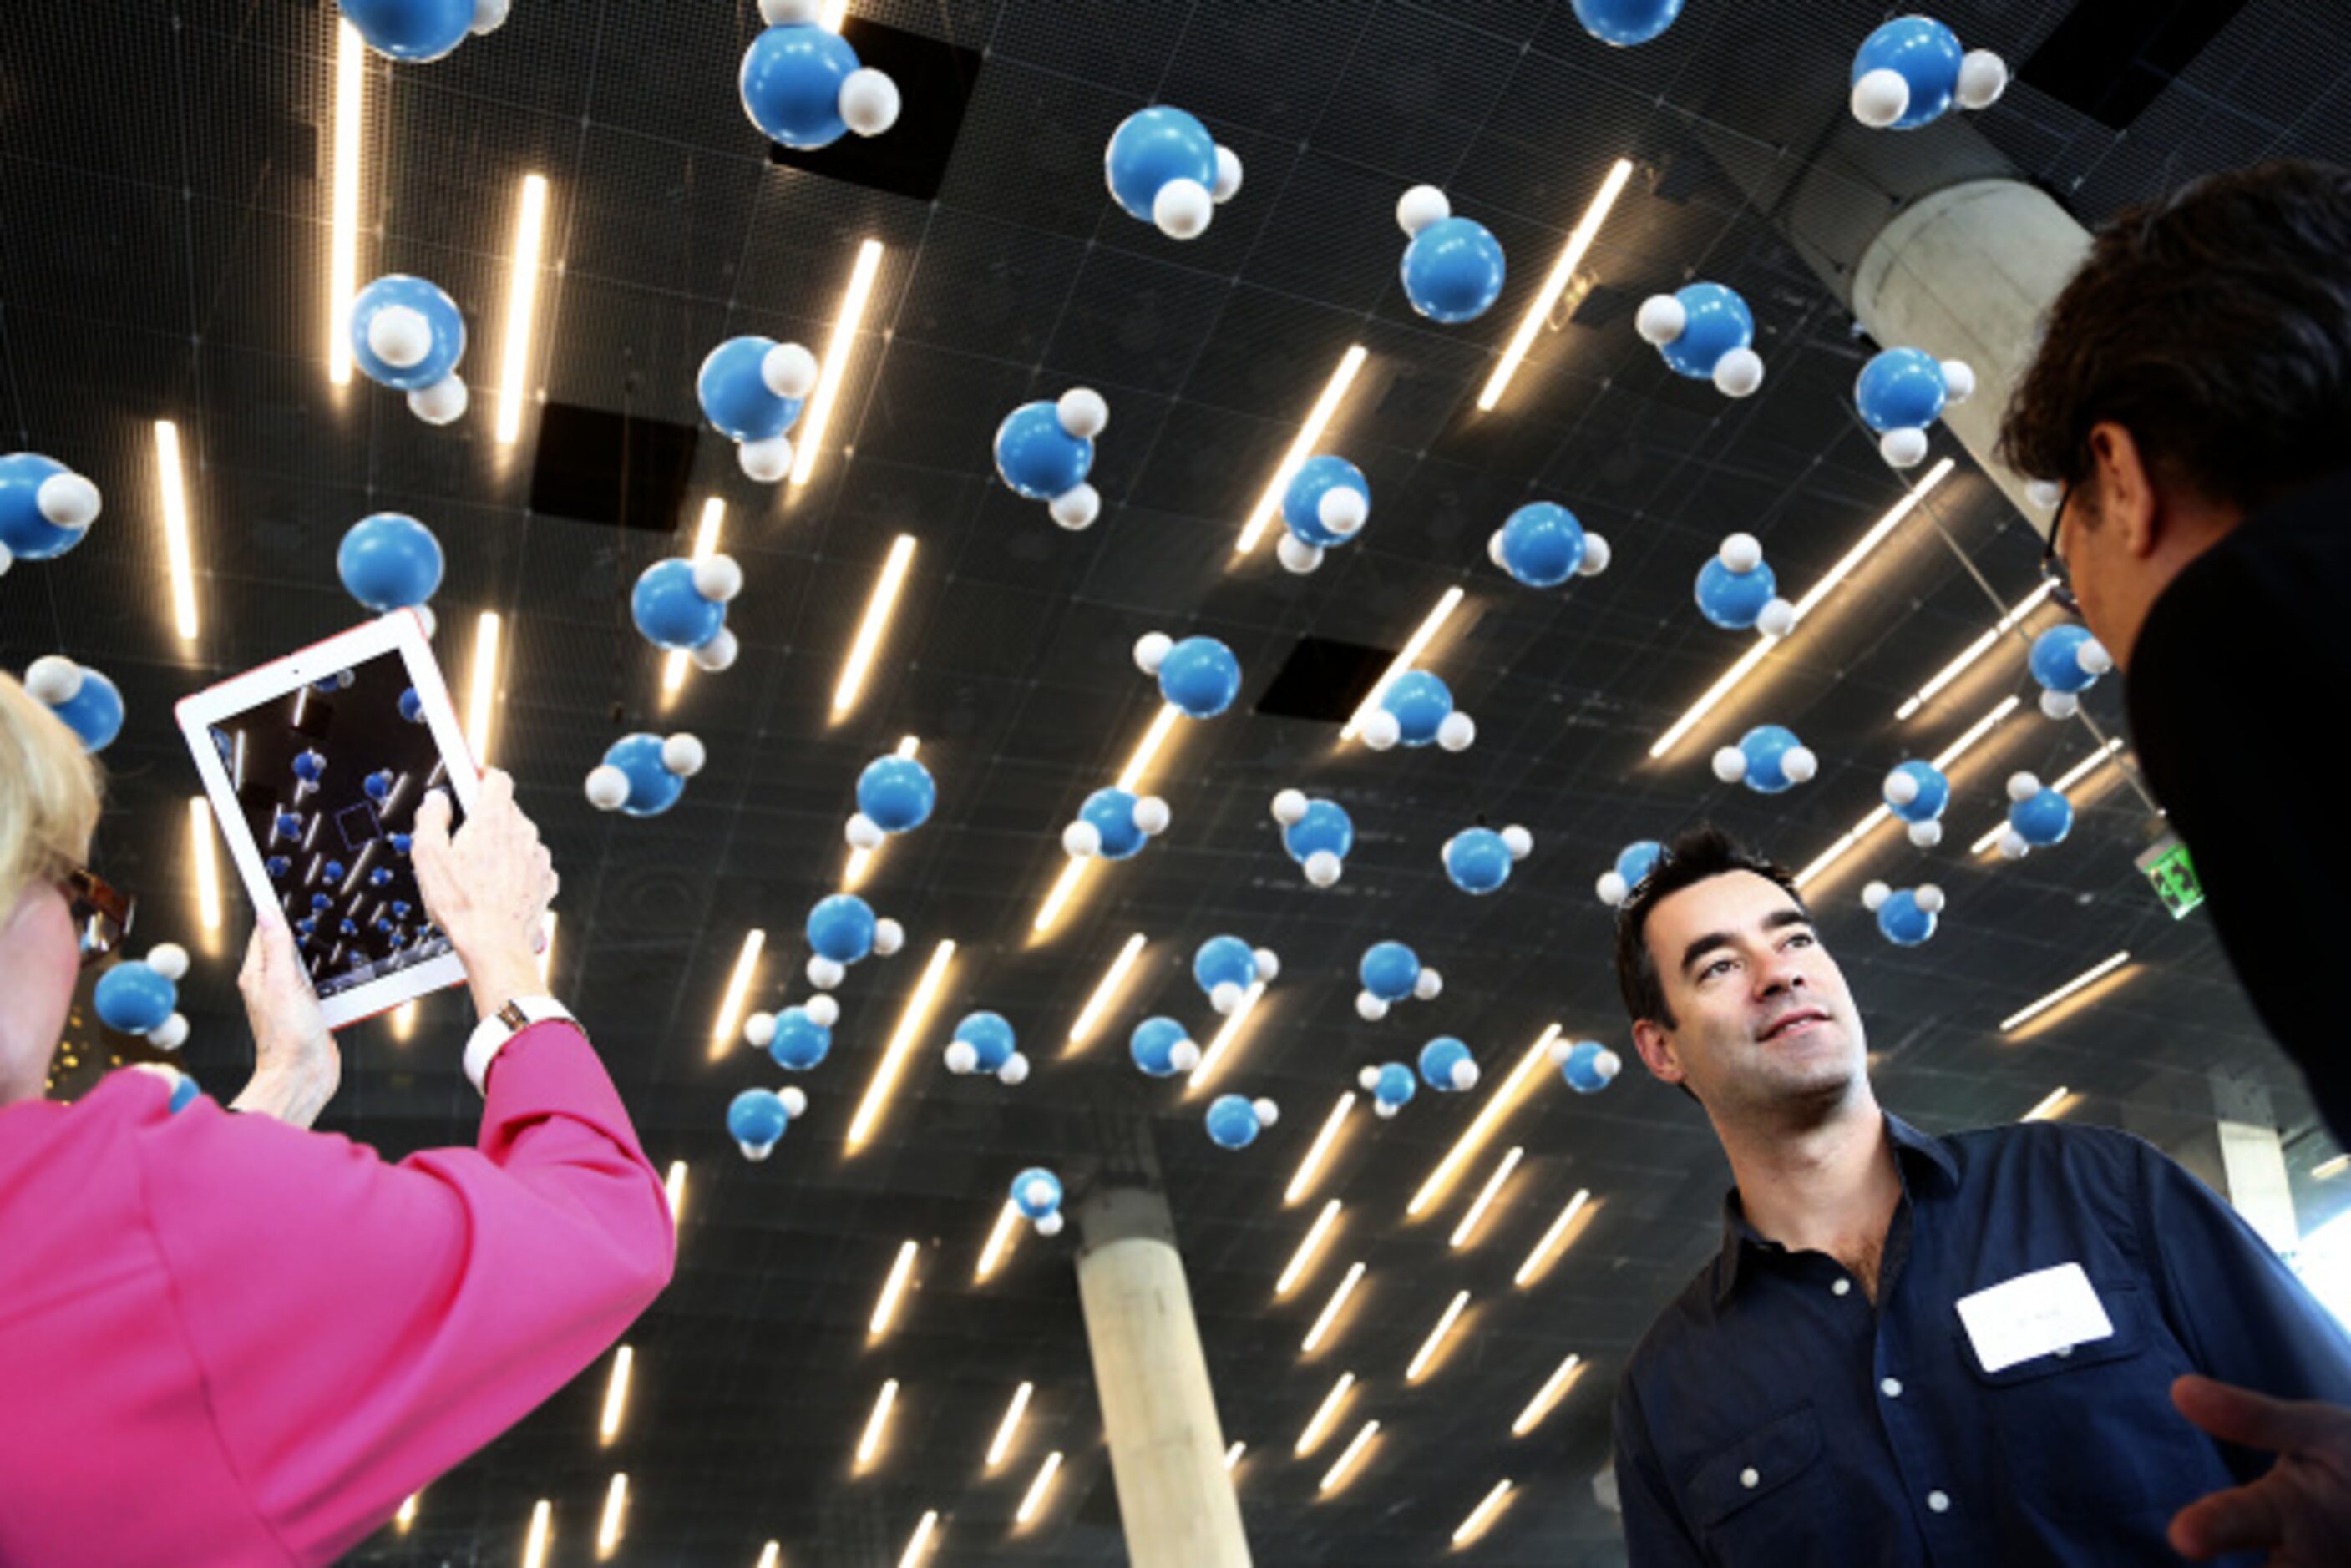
[1776, 921]
[1788, 916]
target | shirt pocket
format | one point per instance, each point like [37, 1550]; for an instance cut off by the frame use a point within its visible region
[1745, 1499]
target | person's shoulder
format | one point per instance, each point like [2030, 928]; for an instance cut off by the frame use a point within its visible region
[2059, 1146]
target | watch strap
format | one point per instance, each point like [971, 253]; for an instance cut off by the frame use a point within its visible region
[491, 1035]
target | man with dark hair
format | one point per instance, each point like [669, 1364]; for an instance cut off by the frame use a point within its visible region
[1914, 1349]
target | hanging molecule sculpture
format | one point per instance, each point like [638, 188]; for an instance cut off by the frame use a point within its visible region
[1315, 833]
[390, 562]
[1226, 967]
[1392, 971]
[1478, 859]
[1626, 22]
[1635, 861]
[1044, 451]
[1587, 1065]
[84, 701]
[1446, 1066]
[756, 1118]
[1901, 391]
[1165, 169]
[2067, 661]
[1911, 70]
[894, 795]
[142, 996]
[797, 1038]
[2037, 817]
[1391, 1086]
[180, 1089]
[642, 776]
[1415, 709]
[1905, 917]
[1768, 759]
[1326, 504]
[1705, 333]
[804, 86]
[1161, 1047]
[1199, 674]
[983, 1042]
[751, 390]
[1037, 1193]
[1736, 591]
[1235, 1122]
[1114, 824]
[408, 336]
[1542, 545]
[681, 606]
[420, 30]
[842, 930]
[1452, 269]
[44, 508]
[1918, 792]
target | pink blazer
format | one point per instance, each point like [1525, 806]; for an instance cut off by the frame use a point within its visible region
[224, 1340]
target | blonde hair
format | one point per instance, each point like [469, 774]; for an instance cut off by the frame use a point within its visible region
[49, 795]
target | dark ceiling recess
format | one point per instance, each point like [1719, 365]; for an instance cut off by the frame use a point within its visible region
[2110, 57]
[1324, 678]
[934, 81]
[605, 467]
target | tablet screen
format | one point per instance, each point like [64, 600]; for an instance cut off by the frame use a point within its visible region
[327, 778]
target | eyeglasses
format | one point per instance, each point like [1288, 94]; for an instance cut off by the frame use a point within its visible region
[2053, 570]
[102, 912]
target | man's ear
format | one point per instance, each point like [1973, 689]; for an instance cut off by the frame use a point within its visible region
[1658, 1053]
[2126, 494]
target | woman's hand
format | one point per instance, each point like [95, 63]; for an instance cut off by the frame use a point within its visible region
[488, 888]
[296, 1065]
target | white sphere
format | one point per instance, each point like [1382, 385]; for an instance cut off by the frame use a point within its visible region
[1874, 896]
[52, 678]
[1049, 1224]
[1740, 553]
[1037, 1194]
[683, 755]
[1959, 380]
[1076, 507]
[1730, 765]
[1082, 412]
[2044, 494]
[1228, 175]
[1323, 867]
[1661, 319]
[1777, 618]
[2093, 657]
[1465, 1074]
[1427, 984]
[2012, 846]
[1381, 730]
[823, 1011]
[717, 578]
[1369, 1078]
[795, 1100]
[790, 13]
[1901, 788]
[1456, 731]
[168, 960]
[1370, 1010]
[1182, 209]
[1296, 555]
[1929, 897]
[169, 1034]
[2023, 786]
[1342, 509]
[1382, 1108]
[1494, 549]
[1903, 448]
[1082, 839]
[759, 1030]
[400, 336]
[788, 370]
[1738, 373]
[1983, 77]
[608, 786]
[8, 559]
[1152, 816]
[1151, 651]
[1880, 98]
[1518, 841]
[489, 16]
[864, 833]
[2060, 704]
[768, 461]
[889, 936]
[1014, 1072]
[755, 1150]
[869, 101]
[443, 402]
[1184, 1055]
[1267, 1112]
[1613, 889]
[1926, 834]
[1596, 556]
[1225, 996]
[1560, 1050]
[66, 501]
[1421, 206]
[824, 973]
[1268, 964]
[1800, 764]
[719, 653]
[1290, 807]
[962, 1056]
[1607, 1064]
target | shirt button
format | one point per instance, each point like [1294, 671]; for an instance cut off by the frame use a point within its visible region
[1842, 1286]
[1891, 1388]
[1748, 1477]
[1938, 1502]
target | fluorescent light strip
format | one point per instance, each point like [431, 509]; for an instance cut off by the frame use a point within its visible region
[771, 1555]
[1222, 1040]
[1482, 1515]
[1038, 1488]
[1318, 1423]
[1541, 1254]
[407, 1514]
[836, 360]
[1010, 1424]
[834, 14]
[177, 556]
[1090, 1018]
[522, 301]
[893, 1059]
[1436, 1340]
[675, 1188]
[999, 1238]
[1554, 1388]
[2052, 1104]
[1498, 1105]
[1563, 272]
[1331, 1311]
[1303, 1182]
[1881, 811]
[877, 618]
[2326, 1170]
[1973, 652]
[738, 987]
[1417, 645]
[343, 264]
[1468, 1228]
[1762, 644]
[1317, 421]
[1137, 763]
[706, 544]
[542, 1520]
[921, 1539]
[2065, 781]
[616, 1393]
[2089, 976]
[200, 839]
[1233, 1454]
[893, 1289]
[875, 1424]
[608, 1531]
[1337, 1474]
[861, 861]
[482, 698]
[1316, 1235]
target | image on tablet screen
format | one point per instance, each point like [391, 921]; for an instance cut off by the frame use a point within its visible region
[327, 779]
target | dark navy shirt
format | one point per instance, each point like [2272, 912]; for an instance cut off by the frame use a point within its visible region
[1773, 1415]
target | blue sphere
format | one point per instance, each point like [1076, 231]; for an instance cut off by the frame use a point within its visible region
[1301, 502]
[1420, 702]
[277, 865]
[671, 611]
[1903, 922]
[897, 792]
[411, 706]
[1542, 545]
[1766, 747]
[1224, 961]
[790, 83]
[1036, 457]
[380, 878]
[388, 561]
[653, 788]
[1589, 1066]
[321, 901]
[1452, 271]
[1446, 1065]
[733, 391]
[441, 315]
[1732, 600]
[26, 531]
[1325, 827]
[1626, 22]
[1925, 54]
[378, 784]
[400, 843]
[990, 1038]
[1152, 1046]
[289, 826]
[2042, 819]
[1715, 321]
[94, 711]
[1637, 860]
[800, 1042]
[183, 1091]
[1389, 970]
[411, 29]
[1478, 860]
[1232, 1121]
[1035, 1193]
[332, 871]
[1934, 792]
[1151, 147]
[310, 766]
[1900, 388]
[1200, 676]
[1393, 1086]
[2056, 659]
[1110, 812]
[756, 1119]
[840, 928]
[134, 998]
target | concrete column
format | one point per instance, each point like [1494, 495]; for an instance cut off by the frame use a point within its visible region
[1176, 1498]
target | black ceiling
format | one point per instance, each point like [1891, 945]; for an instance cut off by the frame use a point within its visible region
[164, 172]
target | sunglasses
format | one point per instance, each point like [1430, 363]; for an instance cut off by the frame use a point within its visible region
[102, 912]
[2053, 570]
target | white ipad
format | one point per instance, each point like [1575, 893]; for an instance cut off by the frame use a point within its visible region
[315, 765]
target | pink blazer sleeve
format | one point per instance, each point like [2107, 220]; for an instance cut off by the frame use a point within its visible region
[361, 1327]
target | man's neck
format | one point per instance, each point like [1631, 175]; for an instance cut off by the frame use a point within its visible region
[1825, 1187]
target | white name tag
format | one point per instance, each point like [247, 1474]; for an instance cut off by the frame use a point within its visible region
[2034, 1315]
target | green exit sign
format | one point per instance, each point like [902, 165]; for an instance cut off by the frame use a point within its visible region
[2173, 875]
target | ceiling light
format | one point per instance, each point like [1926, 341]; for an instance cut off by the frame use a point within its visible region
[1881, 811]
[178, 558]
[861, 861]
[608, 1531]
[1303, 1182]
[1748, 661]
[1571, 257]
[999, 1238]
[403, 1020]
[1302, 448]
[343, 264]
[911, 1024]
[616, 1393]
[542, 1520]
[836, 360]
[1554, 1390]
[1316, 1235]
[2103, 967]
[675, 1186]
[893, 1289]
[1973, 652]
[877, 617]
[1436, 1340]
[739, 988]
[876, 1423]
[2327, 1168]
[1330, 1313]
[834, 14]
[921, 1539]
[407, 1514]
[1469, 1226]
[1233, 1454]
[2065, 781]
[2052, 1104]
[1090, 1018]
[1222, 1040]
[1413, 648]
[1482, 1515]
[1498, 1105]
[1138, 761]
[1540, 1259]
[771, 1555]
[1337, 1474]
[200, 840]
[1010, 1424]
[1038, 1488]
[706, 544]
[482, 696]
[1319, 1424]
[522, 299]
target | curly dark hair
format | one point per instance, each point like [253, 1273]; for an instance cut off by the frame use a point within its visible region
[2215, 326]
[1702, 852]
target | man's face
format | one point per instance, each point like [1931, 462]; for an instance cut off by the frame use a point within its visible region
[1761, 1016]
[2104, 575]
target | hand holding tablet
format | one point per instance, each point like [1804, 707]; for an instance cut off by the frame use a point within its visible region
[488, 889]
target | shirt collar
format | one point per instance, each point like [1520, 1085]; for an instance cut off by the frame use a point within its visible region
[1915, 1154]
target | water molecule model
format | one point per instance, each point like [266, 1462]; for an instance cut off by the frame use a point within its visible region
[1452, 270]
[805, 88]
[1390, 1086]
[1478, 859]
[1114, 824]
[1199, 674]
[1447, 1067]
[1634, 862]
[1901, 391]
[1906, 916]
[420, 30]
[182, 1088]
[681, 605]
[1044, 451]
[1415, 709]
[1736, 591]
[408, 336]
[1235, 1122]
[2067, 661]
[2037, 817]
[1165, 169]
[1917, 793]
[1626, 22]
[642, 776]
[1226, 967]
[983, 1042]
[1768, 759]
[894, 795]
[751, 390]
[1315, 833]
[1910, 70]
[1037, 1193]
[44, 508]
[390, 562]
[1706, 333]
[1542, 545]
[1162, 1048]
[797, 1038]
[1392, 971]
[87, 703]
[842, 930]
[1586, 1065]
[756, 1118]
[1327, 503]
[142, 996]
